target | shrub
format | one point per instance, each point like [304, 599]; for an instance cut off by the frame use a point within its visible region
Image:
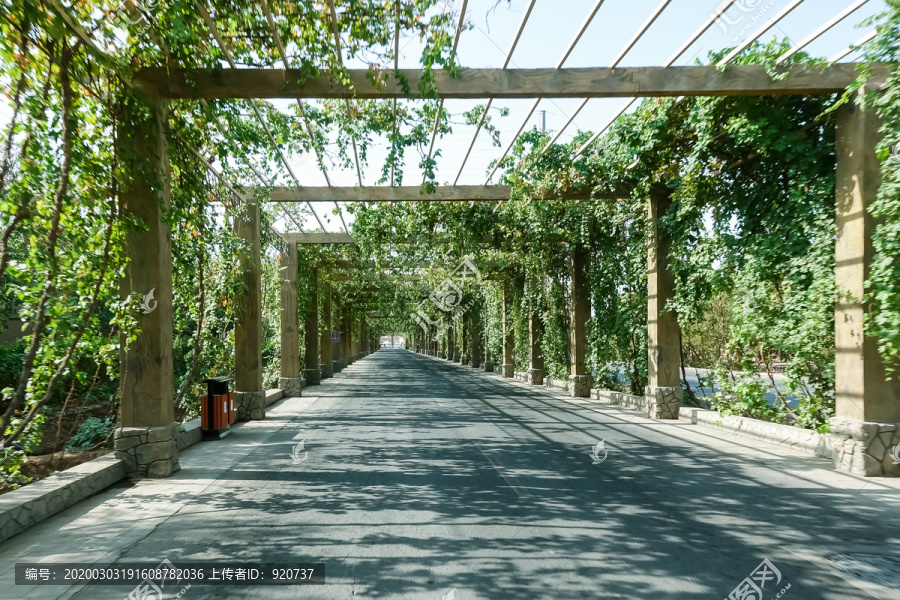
[90, 433]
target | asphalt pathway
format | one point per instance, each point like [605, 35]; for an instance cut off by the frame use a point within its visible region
[424, 479]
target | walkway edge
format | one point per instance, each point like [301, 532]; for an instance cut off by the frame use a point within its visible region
[31, 504]
[805, 441]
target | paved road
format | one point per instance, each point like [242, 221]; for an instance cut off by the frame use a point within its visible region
[424, 477]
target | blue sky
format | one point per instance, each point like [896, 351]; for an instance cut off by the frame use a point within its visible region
[551, 27]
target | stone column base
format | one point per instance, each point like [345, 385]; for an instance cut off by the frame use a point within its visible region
[327, 370]
[507, 371]
[313, 376]
[488, 367]
[663, 402]
[291, 387]
[580, 386]
[148, 451]
[865, 448]
[536, 377]
[251, 406]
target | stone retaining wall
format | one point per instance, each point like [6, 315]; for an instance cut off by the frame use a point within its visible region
[273, 396]
[556, 383]
[250, 405]
[864, 448]
[29, 505]
[803, 440]
[626, 400]
[148, 451]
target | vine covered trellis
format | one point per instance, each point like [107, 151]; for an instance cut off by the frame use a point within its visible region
[751, 223]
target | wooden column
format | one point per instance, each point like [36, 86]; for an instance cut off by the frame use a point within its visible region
[475, 328]
[451, 339]
[311, 363]
[248, 368]
[488, 366]
[326, 365]
[535, 353]
[336, 349]
[466, 348]
[345, 336]
[290, 381]
[507, 369]
[146, 378]
[867, 405]
[579, 378]
[663, 335]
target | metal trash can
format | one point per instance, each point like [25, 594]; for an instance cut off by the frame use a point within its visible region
[217, 410]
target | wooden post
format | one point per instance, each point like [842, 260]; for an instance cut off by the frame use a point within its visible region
[146, 379]
[579, 378]
[326, 366]
[249, 397]
[290, 382]
[466, 352]
[488, 366]
[337, 361]
[535, 353]
[311, 369]
[345, 335]
[451, 340]
[664, 394]
[475, 328]
[867, 406]
[508, 368]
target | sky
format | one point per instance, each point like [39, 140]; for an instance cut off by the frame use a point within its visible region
[549, 31]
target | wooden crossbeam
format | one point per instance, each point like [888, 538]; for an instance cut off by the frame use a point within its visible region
[448, 193]
[317, 238]
[346, 277]
[389, 194]
[594, 82]
[370, 264]
[344, 238]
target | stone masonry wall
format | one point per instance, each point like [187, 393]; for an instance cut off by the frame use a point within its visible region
[148, 451]
[864, 448]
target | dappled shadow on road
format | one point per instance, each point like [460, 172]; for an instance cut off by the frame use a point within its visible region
[423, 477]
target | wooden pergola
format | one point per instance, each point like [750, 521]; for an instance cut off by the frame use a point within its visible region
[863, 393]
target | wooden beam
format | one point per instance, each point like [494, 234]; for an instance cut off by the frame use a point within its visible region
[390, 194]
[455, 193]
[317, 238]
[346, 277]
[591, 82]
